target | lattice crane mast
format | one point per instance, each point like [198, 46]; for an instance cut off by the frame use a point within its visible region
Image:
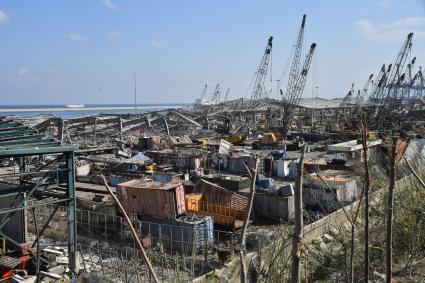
[348, 98]
[362, 94]
[216, 94]
[204, 92]
[421, 87]
[262, 72]
[391, 94]
[226, 96]
[297, 91]
[295, 66]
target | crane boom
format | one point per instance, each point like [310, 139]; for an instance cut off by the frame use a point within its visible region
[363, 93]
[262, 72]
[226, 96]
[204, 92]
[216, 95]
[297, 91]
[390, 98]
[295, 66]
[348, 98]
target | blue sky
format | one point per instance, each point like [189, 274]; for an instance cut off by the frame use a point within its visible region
[86, 51]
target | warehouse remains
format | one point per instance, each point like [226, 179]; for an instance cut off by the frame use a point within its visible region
[182, 175]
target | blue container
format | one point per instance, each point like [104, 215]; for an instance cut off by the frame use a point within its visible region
[114, 180]
[278, 154]
[264, 182]
[188, 234]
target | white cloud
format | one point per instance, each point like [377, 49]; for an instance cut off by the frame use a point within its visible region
[113, 34]
[385, 3]
[4, 18]
[23, 72]
[110, 5]
[158, 43]
[76, 37]
[392, 31]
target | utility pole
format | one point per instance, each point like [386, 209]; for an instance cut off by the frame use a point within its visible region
[297, 238]
[242, 254]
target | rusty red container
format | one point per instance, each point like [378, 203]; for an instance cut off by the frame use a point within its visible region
[152, 198]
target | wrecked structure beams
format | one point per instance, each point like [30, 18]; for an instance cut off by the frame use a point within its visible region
[26, 186]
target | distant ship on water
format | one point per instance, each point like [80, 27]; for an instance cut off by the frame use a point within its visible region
[75, 106]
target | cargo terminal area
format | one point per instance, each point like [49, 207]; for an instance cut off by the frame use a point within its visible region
[78, 195]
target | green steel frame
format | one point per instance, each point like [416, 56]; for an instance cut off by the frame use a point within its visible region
[21, 143]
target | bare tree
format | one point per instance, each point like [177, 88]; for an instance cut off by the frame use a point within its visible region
[242, 253]
[133, 231]
[366, 208]
[353, 231]
[299, 223]
[389, 245]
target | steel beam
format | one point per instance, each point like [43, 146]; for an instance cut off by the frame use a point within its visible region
[31, 173]
[36, 151]
[40, 143]
[15, 138]
[34, 205]
[72, 212]
[15, 128]
[17, 133]
[24, 141]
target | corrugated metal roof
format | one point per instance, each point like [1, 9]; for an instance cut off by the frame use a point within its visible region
[18, 139]
[320, 103]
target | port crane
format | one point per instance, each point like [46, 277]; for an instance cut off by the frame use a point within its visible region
[295, 66]
[261, 73]
[348, 98]
[226, 96]
[294, 96]
[362, 94]
[391, 98]
[204, 92]
[216, 95]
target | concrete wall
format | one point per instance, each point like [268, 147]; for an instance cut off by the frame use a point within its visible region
[338, 218]
[319, 197]
[275, 207]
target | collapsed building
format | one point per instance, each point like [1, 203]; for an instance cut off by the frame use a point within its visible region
[181, 175]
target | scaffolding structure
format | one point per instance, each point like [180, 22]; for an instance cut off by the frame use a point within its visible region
[39, 162]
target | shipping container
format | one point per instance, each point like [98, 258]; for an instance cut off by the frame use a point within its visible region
[166, 177]
[152, 198]
[234, 183]
[219, 195]
[188, 234]
[198, 204]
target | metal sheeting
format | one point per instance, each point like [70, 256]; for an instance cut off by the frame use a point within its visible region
[226, 216]
[187, 234]
[219, 195]
[152, 198]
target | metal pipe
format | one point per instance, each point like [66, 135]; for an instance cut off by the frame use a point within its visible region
[133, 231]
[38, 244]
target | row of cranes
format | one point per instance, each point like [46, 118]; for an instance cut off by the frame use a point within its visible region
[396, 89]
[383, 100]
[215, 96]
[241, 113]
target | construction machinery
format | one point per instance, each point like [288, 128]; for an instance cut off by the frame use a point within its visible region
[261, 73]
[390, 100]
[294, 95]
[237, 138]
[348, 98]
[269, 140]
